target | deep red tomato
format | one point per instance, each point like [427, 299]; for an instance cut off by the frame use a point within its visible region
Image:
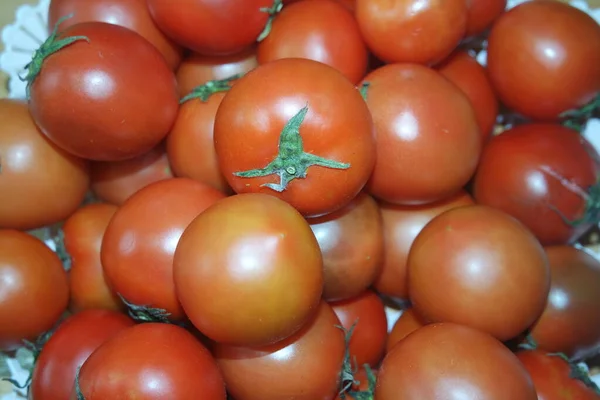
[420, 159]
[140, 241]
[70, 345]
[541, 174]
[34, 290]
[305, 137]
[481, 14]
[151, 361]
[114, 89]
[408, 322]
[448, 361]
[132, 14]
[349, 4]
[477, 266]
[32, 168]
[544, 58]
[305, 366]
[351, 241]
[403, 31]
[212, 27]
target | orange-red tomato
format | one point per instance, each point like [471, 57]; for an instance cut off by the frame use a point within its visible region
[481, 14]
[408, 322]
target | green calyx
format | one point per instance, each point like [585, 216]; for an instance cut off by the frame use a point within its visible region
[203, 92]
[292, 162]
[49, 47]
[347, 379]
[577, 372]
[272, 12]
[145, 313]
[577, 119]
[364, 89]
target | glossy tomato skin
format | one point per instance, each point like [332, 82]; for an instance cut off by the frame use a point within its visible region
[259, 248]
[314, 29]
[401, 31]
[34, 291]
[116, 91]
[534, 173]
[305, 366]
[131, 14]
[408, 322]
[337, 127]
[209, 27]
[480, 267]
[449, 361]
[151, 361]
[351, 242]
[49, 173]
[420, 159]
[68, 348]
[401, 225]
[544, 58]
[481, 14]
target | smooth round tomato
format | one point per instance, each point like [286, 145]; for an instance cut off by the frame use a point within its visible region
[480, 267]
[132, 14]
[543, 58]
[212, 27]
[546, 176]
[34, 291]
[314, 29]
[151, 361]
[449, 361]
[349, 4]
[305, 366]
[351, 242]
[33, 168]
[82, 236]
[248, 271]
[401, 225]
[420, 159]
[70, 345]
[408, 322]
[404, 30]
[114, 89]
[481, 14]
[305, 137]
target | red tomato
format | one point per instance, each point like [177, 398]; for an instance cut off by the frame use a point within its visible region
[32, 168]
[544, 58]
[151, 361]
[408, 322]
[481, 14]
[541, 174]
[416, 31]
[448, 361]
[351, 241]
[349, 4]
[34, 290]
[114, 88]
[140, 241]
[260, 249]
[314, 29]
[70, 345]
[479, 267]
[420, 159]
[305, 366]
[307, 140]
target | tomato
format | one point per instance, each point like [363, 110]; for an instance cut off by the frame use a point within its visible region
[402, 31]
[401, 225]
[82, 235]
[113, 88]
[132, 14]
[259, 248]
[140, 240]
[32, 168]
[314, 29]
[477, 266]
[212, 27]
[544, 58]
[151, 361]
[349, 4]
[482, 13]
[33, 288]
[420, 159]
[305, 366]
[408, 322]
[307, 140]
[351, 241]
[449, 361]
[541, 174]
[70, 345]
[570, 323]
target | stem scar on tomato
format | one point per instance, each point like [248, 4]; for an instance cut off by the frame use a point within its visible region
[272, 12]
[292, 162]
[144, 313]
[203, 92]
[49, 47]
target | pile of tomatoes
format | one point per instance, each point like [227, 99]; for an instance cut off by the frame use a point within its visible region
[236, 190]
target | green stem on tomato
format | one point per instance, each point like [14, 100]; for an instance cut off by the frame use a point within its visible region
[272, 12]
[578, 119]
[203, 92]
[364, 89]
[144, 313]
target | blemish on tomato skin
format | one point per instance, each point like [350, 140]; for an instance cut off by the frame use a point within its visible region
[448, 228]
